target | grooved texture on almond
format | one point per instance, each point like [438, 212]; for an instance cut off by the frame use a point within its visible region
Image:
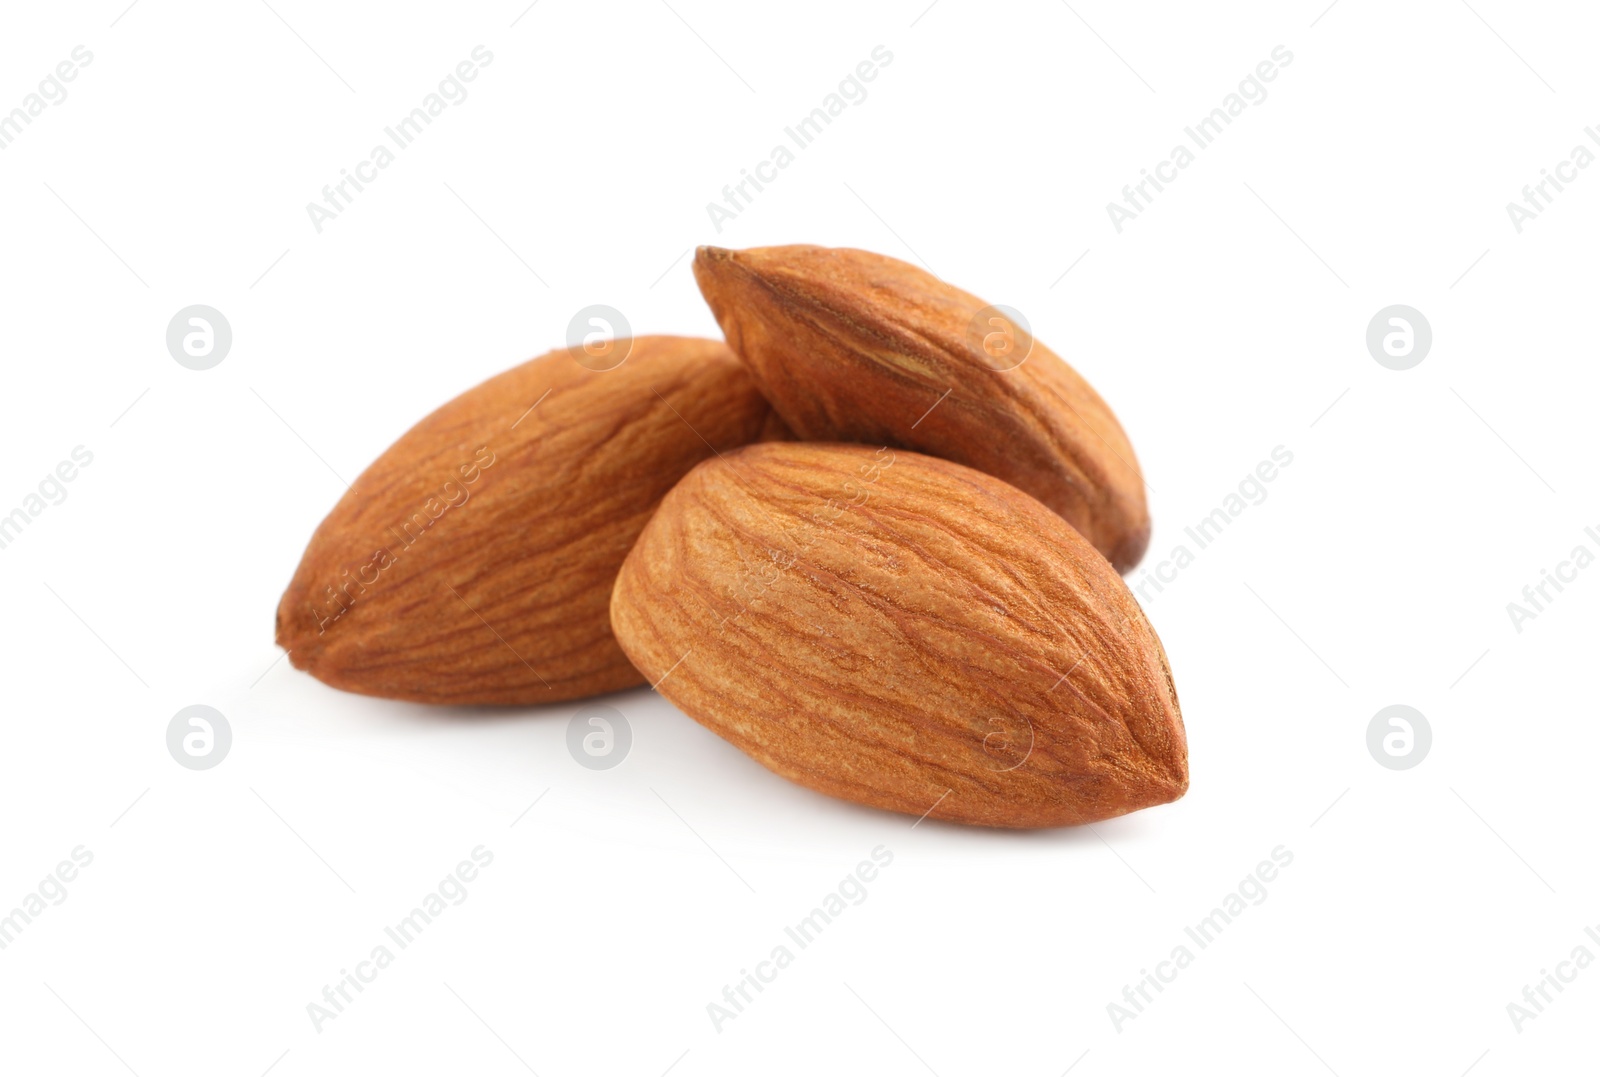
[854, 346]
[903, 632]
[473, 561]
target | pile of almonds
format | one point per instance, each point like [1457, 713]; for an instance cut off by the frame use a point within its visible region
[874, 541]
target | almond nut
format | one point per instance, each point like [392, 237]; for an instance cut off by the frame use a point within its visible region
[473, 561]
[903, 632]
[854, 346]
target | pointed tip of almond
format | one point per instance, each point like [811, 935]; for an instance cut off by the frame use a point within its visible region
[720, 273]
[1161, 781]
[1174, 782]
[707, 262]
[280, 628]
[291, 636]
[757, 259]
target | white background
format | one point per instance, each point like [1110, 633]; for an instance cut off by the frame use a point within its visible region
[1228, 319]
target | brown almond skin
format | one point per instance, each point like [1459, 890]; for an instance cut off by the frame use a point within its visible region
[903, 632]
[502, 598]
[854, 346]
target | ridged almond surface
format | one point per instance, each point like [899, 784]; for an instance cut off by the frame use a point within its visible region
[854, 346]
[473, 561]
[904, 632]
